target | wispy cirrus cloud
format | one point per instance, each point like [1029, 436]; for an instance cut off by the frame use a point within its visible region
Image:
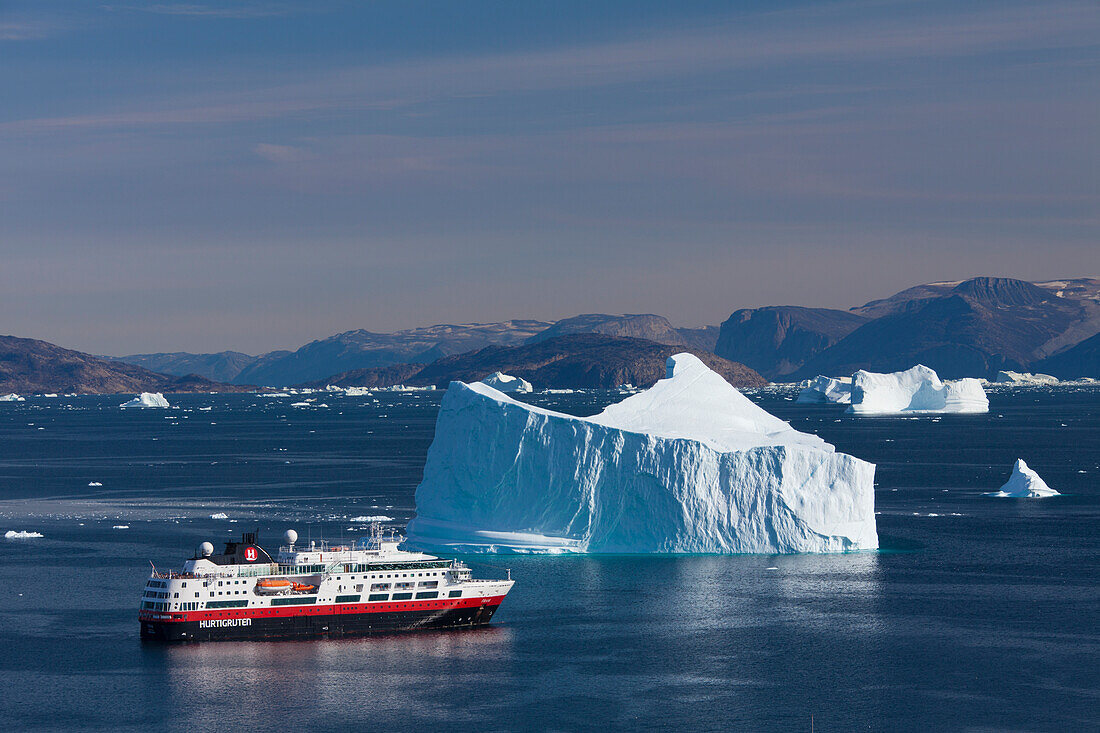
[225, 10]
[845, 35]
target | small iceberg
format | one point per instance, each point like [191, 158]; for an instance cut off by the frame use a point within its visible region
[378, 518]
[94, 483]
[219, 515]
[300, 404]
[12, 398]
[357, 391]
[121, 526]
[916, 390]
[11, 534]
[1027, 378]
[822, 389]
[507, 383]
[147, 399]
[1024, 483]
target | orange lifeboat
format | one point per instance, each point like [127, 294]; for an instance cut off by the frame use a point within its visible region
[273, 585]
[303, 588]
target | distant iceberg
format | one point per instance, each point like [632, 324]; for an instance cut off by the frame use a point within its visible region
[11, 534]
[822, 389]
[507, 383]
[357, 391]
[1024, 483]
[12, 398]
[375, 518]
[916, 390]
[687, 466]
[147, 399]
[219, 515]
[1006, 377]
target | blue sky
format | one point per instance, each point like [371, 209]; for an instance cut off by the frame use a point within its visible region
[253, 175]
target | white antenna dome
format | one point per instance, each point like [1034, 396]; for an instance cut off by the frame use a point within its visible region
[290, 536]
[206, 549]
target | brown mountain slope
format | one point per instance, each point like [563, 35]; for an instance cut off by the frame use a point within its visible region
[32, 366]
[577, 361]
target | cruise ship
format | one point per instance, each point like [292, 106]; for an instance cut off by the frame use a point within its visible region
[317, 590]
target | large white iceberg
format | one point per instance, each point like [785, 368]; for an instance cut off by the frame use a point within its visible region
[507, 383]
[147, 399]
[826, 389]
[687, 466]
[12, 398]
[916, 390]
[1024, 483]
[1007, 377]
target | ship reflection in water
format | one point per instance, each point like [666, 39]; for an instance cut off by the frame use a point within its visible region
[243, 683]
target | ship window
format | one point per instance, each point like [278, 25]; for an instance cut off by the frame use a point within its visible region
[429, 584]
[347, 599]
[176, 595]
[427, 594]
[380, 586]
[456, 594]
[378, 596]
[402, 596]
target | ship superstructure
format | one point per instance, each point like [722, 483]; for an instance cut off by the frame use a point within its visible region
[314, 590]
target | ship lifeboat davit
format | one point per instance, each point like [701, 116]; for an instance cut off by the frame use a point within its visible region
[273, 585]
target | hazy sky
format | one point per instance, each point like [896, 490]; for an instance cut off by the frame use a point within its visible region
[254, 175]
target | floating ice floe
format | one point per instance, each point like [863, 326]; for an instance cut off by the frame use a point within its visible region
[822, 389]
[378, 518]
[507, 383]
[219, 515]
[1007, 377]
[357, 391]
[1024, 483]
[12, 398]
[94, 483]
[300, 404]
[11, 534]
[121, 526]
[688, 466]
[147, 399]
[915, 390]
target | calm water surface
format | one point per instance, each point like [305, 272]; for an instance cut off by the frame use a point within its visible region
[978, 614]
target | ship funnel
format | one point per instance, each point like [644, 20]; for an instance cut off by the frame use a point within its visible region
[206, 549]
[290, 536]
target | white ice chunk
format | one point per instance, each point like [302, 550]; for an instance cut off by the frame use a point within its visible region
[94, 483]
[12, 398]
[689, 465]
[219, 515]
[507, 383]
[374, 518]
[1024, 483]
[11, 534]
[357, 391]
[915, 390]
[826, 389]
[120, 526]
[147, 399]
[1007, 377]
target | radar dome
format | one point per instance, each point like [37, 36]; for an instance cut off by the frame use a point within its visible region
[290, 536]
[206, 549]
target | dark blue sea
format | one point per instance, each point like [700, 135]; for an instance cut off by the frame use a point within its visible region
[978, 614]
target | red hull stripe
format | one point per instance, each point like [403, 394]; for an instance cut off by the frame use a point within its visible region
[322, 610]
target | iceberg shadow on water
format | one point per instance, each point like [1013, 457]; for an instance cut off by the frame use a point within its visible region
[688, 466]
